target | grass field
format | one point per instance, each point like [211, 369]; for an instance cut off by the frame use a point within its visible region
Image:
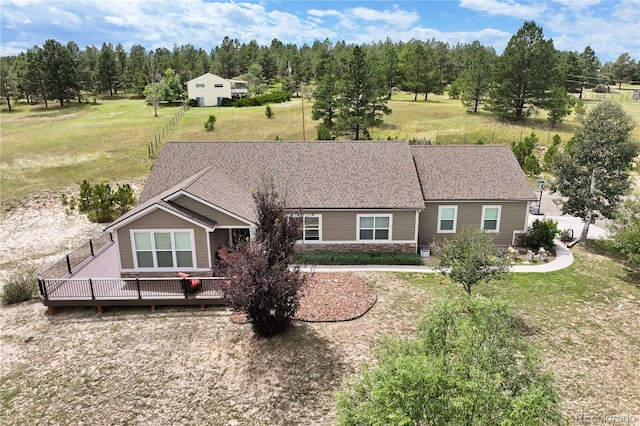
[53, 149]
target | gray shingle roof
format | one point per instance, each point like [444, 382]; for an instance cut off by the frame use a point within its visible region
[470, 172]
[319, 174]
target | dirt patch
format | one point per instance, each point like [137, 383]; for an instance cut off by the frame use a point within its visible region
[39, 233]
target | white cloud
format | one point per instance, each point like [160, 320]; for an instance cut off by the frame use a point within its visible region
[62, 17]
[605, 27]
[577, 5]
[396, 16]
[505, 8]
[324, 13]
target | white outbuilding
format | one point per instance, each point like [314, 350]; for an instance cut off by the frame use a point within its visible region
[209, 89]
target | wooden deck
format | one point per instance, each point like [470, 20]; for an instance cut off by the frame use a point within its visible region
[96, 282]
[103, 265]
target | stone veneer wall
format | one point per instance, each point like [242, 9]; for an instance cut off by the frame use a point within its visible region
[377, 248]
[163, 274]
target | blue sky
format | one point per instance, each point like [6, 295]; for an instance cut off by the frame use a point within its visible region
[610, 27]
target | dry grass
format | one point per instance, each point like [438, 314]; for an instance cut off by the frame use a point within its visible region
[183, 366]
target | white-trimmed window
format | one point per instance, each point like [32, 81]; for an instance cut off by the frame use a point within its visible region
[311, 227]
[374, 227]
[447, 219]
[163, 249]
[491, 218]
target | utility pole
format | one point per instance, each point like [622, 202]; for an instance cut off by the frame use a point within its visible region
[302, 91]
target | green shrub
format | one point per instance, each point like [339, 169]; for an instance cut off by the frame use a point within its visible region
[210, 124]
[268, 111]
[356, 258]
[541, 233]
[455, 89]
[468, 365]
[101, 203]
[324, 134]
[273, 97]
[21, 287]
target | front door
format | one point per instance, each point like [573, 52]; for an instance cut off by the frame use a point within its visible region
[239, 235]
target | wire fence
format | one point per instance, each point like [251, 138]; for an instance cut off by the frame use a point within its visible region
[160, 135]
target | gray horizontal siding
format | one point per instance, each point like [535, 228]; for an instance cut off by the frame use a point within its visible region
[159, 220]
[512, 218]
[343, 225]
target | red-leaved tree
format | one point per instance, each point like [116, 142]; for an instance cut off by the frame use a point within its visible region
[261, 283]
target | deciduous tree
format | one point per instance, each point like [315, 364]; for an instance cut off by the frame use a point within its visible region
[152, 91]
[593, 173]
[261, 283]
[471, 257]
[626, 230]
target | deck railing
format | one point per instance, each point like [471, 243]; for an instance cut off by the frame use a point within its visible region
[78, 289]
[77, 257]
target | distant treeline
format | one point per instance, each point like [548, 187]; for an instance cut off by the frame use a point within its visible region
[66, 72]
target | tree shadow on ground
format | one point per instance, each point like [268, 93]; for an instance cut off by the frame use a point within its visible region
[55, 110]
[289, 373]
[606, 248]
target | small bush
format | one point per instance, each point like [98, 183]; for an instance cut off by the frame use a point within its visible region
[268, 111]
[210, 124]
[227, 102]
[324, 134]
[102, 203]
[356, 258]
[20, 288]
[541, 233]
[193, 103]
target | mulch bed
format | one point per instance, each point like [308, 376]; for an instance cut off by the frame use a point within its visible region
[330, 297]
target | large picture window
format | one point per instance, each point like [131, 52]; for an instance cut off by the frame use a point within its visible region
[163, 249]
[311, 226]
[374, 227]
[491, 218]
[447, 218]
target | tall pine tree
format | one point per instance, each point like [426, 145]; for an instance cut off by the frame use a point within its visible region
[363, 100]
[523, 74]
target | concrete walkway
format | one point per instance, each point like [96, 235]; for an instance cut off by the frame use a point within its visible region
[563, 259]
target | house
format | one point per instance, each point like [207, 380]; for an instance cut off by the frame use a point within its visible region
[209, 89]
[354, 195]
[479, 185]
